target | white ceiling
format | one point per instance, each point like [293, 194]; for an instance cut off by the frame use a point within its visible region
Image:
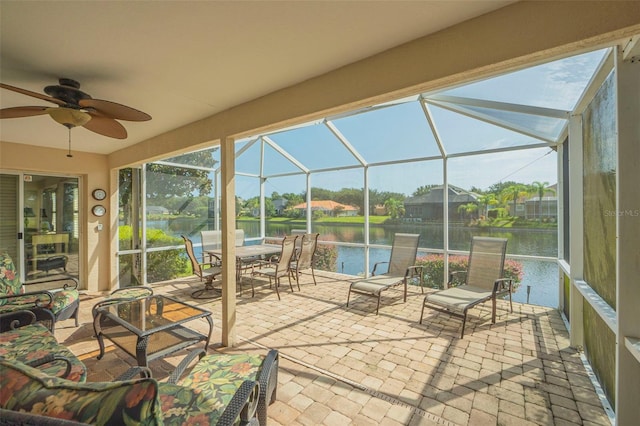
[181, 61]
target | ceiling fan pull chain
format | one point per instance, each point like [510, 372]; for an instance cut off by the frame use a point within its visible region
[69, 154]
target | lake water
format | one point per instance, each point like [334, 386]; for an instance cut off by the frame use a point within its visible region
[540, 277]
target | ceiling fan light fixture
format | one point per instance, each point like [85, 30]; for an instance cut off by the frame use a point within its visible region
[69, 117]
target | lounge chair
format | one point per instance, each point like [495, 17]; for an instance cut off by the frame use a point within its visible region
[304, 258]
[483, 281]
[401, 268]
[278, 269]
[206, 274]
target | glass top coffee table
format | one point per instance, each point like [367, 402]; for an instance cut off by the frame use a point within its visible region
[150, 328]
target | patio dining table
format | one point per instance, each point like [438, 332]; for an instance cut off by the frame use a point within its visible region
[246, 255]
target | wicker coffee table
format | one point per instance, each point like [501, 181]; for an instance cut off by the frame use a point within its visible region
[150, 328]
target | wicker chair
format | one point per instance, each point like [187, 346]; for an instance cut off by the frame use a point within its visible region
[401, 268]
[48, 306]
[483, 281]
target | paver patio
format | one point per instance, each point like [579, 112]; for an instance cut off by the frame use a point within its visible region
[342, 366]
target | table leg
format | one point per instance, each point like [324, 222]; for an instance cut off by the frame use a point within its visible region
[206, 343]
[141, 351]
[98, 332]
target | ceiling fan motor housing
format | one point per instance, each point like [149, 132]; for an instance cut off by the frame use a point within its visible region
[67, 91]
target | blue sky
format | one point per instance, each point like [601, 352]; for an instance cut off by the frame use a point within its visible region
[401, 132]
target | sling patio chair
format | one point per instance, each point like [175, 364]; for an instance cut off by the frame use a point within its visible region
[483, 281]
[401, 268]
[279, 269]
[304, 259]
[206, 274]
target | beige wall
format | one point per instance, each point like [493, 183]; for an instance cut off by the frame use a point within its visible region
[93, 172]
[509, 38]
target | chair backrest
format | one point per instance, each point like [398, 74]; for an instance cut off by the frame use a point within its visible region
[188, 245]
[299, 233]
[286, 254]
[239, 237]
[211, 240]
[9, 279]
[486, 261]
[403, 253]
[308, 244]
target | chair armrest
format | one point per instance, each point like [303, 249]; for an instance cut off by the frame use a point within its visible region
[243, 404]
[500, 285]
[453, 275]
[51, 358]
[414, 270]
[38, 302]
[375, 266]
[144, 372]
[16, 319]
[177, 373]
[67, 282]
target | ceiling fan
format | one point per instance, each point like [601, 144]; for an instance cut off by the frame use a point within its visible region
[77, 108]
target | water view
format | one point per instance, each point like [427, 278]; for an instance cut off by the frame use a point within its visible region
[539, 285]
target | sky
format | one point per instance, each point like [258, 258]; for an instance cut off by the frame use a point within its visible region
[402, 132]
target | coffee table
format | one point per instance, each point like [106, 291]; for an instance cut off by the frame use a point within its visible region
[150, 328]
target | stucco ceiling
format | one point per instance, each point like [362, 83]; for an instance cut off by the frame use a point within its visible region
[181, 61]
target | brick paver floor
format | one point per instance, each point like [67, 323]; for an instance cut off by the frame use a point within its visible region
[342, 366]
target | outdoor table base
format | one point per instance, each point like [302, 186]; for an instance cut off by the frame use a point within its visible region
[150, 328]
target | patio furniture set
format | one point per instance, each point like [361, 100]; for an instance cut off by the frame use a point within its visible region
[274, 261]
[221, 389]
[483, 281]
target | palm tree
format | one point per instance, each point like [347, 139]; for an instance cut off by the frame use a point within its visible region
[485, 201]
[539, 189]
[514, 192]
[394, 207]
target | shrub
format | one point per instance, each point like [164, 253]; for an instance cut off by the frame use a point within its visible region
[434, 268]
[161, 265]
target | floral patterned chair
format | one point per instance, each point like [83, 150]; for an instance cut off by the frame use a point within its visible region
[48, 306]
[27, 391]
[213, 368]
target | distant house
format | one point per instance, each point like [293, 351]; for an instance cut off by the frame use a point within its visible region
[157, 210]
[280, 204]
[430, 206]
[379, 210]
[328, 207]
[548, 209]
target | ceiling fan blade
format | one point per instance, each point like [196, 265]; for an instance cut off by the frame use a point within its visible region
[25, 111]
[114, 110]
[106, 126]
[33, 94]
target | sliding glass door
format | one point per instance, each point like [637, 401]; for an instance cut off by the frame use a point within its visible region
[39, 224]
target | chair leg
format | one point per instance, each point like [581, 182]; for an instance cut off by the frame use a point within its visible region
[313, 274]
[464, 321]
[277, 284]
[291, 285]
[298, 279]
[348, 296]
[510, 300]
[493, 309]
[422, 312]
[378, 307]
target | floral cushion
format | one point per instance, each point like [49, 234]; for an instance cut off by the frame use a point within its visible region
[219, 375]
[9, 281]
[185, 406]
[23, 388]
[34, 342]
[62, 299]
[135, 292]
